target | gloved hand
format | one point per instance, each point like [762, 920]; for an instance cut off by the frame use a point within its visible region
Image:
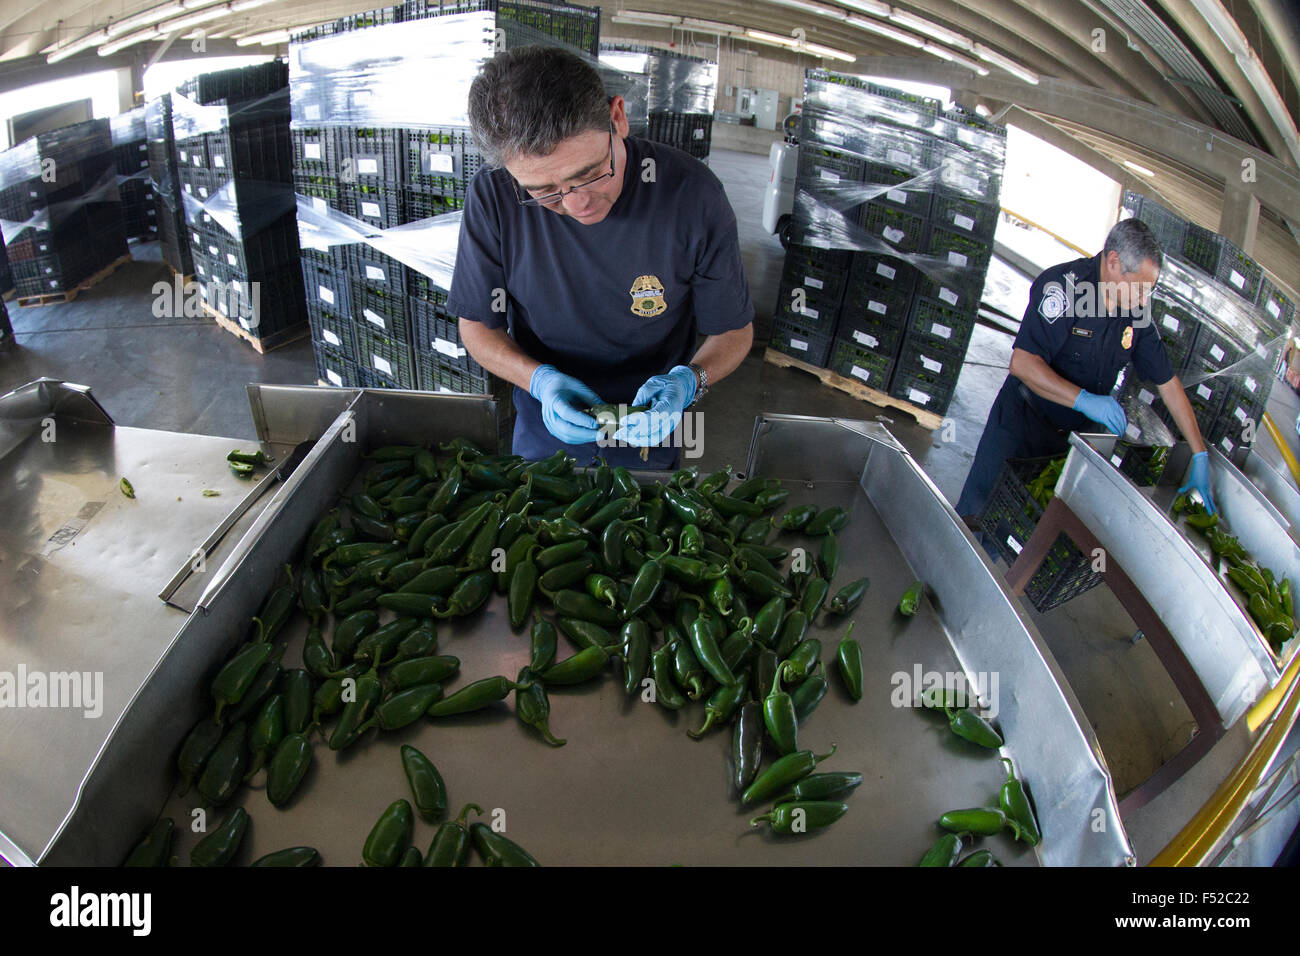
[667, 395]
[1103, 410]
[562, 396]
[1198, 480]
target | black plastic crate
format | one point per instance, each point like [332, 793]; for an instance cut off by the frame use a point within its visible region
[915, 200]
[901, 230]
[1178, 349]
[933, 357]
[1174, 320]
[885, 271]
[966, 216]
[419, 204]
[387, 313]
[959, 249]
[1168, 227]
[821, 164]
[815, 309]
[801, 341]
[315, 151]
[335, 369]
[435, 374]
[328, 287]
[435, 332]
[1009, 518]
[377, 206]
[1143, 464]
[1231, 438]
[372, 155]
[962, 292]
[1239, 273]
[1208, 398]
[866, 365]
[1243, 408]
[266, 304]
[922, 388]
[1215, 349]
[1278, 311]
[441, 160]
[816, 270]
[1203, 248]
[371, 267]
[880, 304]
[192, 153]
[937, 321]
[421, 286]
[384, 357]
[332, 331]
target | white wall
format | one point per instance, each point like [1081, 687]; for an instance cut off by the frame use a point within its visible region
[101, 88]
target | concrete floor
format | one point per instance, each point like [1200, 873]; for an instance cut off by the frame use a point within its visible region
[186, 375]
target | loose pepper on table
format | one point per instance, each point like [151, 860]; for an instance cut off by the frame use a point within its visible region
[849, 657]
[803, 660]
[522, 589]
[404, 708]
[533, 707]
[792, 634]
[470, 595]
[497, 850]
[985, 821]
[747, 744]
[635, 638]
[581, 667]
[809, 694]
[367, 693]
[451, 844]
[980, 858]
[847, 598]
[822, 786]
[944, 852]
[1014, 802]
[767, 622]
[427, 787]
[801, 816]
[543, 642]
[779, 715]
[199, 744]
[645, 587]
[471, 697]
[219, 847]
[294, 856]
[666, 692]
[390, 835]
[722, 704]
[266, 733]
[782, 773]
[971, 726]
[832, 519]
[156, 847]
[224, 770]
[289, 764]
[797, 518]
[911, 599]
[237, 676]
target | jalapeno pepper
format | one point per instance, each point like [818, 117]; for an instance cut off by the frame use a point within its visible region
[765, 666]
[311, 593]
[645, 587]
[559, 489]
[450, 545]
[224, 770]
[1202, 522]
[803, 660]
[219, 847]
[404, 708]
[543, 642]
[801, 816]
[581, 667]
[690, 674]
[324, 525]
[715, 481]
[847, 598]
[390, 835]
[944, 852]
[1014, 803]
[747, 744]
[797, 518]
[779, 715]
[263, 686]
[809, 694]
[722, 705]
[705, 646]
[761, 586]
[497, 850]
[266, 733]
[471, 697]
[361, 600]
[236, 677]
[523, 586]
[585, 607]
[792, 634]
[156, 847]
[985, 821]
[911, 599]
[367, 692]
[814, 596]
[782, 773]
[350, 554]
[666, 693]
[635, 638]
[288, 766]
[585, 634]
[980, 858]
[439, 580]
[688, 511]
[849, 657]
[749, 489]
[727, 505]
[971, 726]
[822, 786]
[533, 706]
[470, 595]
[451, 844]
[383, 641]
[199, 744]
[832, 519]
[401, 574]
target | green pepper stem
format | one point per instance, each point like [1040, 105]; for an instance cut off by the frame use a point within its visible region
[817, 759]
[1011, 768]
[708, 722]
[754, 821]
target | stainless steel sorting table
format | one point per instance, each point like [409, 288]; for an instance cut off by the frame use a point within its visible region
[630, 786]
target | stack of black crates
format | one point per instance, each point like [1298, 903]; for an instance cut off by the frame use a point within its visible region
[235, 168]
[896, 203]
[399, 157]
[673, 103]
[134, 182]
[1223, 322]
[173, 231]
[58, 190]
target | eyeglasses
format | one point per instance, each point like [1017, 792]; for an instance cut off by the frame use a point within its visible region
[553, 198]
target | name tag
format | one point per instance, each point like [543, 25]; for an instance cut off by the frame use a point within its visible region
[1082, 333]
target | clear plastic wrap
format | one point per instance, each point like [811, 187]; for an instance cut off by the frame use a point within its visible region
[128, 127]
[191, 119]
[51, 216]
[69, 144]
[673, 83]
[242, 207]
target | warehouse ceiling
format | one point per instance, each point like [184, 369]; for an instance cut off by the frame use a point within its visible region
[1231, 67]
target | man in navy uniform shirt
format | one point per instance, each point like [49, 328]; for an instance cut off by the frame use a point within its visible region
[1086, 320]
[589, 262]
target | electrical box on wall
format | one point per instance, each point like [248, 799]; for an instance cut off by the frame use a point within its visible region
[746, 101]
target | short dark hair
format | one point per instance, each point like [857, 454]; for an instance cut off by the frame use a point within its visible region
[530, 99]
[1135, 243]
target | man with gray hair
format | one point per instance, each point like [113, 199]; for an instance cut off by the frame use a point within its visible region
[1086, 320]
[590, 261]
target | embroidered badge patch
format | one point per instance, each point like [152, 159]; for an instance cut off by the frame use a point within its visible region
[648, 297]
[1053, 305]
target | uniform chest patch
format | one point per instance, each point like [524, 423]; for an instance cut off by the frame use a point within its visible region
[1126, 339]
[1083, 333]
[648, 297]
[1053, 305]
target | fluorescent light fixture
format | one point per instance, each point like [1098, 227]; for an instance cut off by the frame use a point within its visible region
[1011, 66]
[885, 30]
[648, 17]
[931, 29]
[239, 6]
[194, 19]
[944, 53]
[1140, 170]
[136, 20]
[830, 53]
[773, 38]
[873, 7]
[271, 39]
[140, 36]
[790, 43]
[76, 46]
[814, 8]
[254, 39]
[983, 110]
[711, 26]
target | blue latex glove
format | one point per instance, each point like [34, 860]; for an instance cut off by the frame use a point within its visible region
[1198, 480]
[667, 395]
[1103, 410]
[562, 396]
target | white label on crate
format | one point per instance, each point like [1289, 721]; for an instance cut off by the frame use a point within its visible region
[1132, 431]
[917, 397]
[963, 222]
[1250, 384]
[311, 150]
[892, 235]
[812, 283]
[1014, 545]
[219, 161]
[900, 156]
[887, 271]
[371, 209]
[326, 295]
[931, 365]
[199, 266]
[312, 111]
[376, 274]
[236, 285]
[968, 183]
[318, 203]
[941, 330]
[330, 337]
[334, 377]
[213, 250]
[441, 163]
[1227, 444]
[1170, 323]
[829, 176]
[1204, 392]
[799, 344]
[383, 365]
[1145, 397]
[957, 259]
[948, 296]
[189, 189]
[1274, 309]
[1236, 278]
[897, 195]
[1240, 414]
[374, 318]
[232, 258]
[203, 192]
[368, 167]
[874, 306]
[221, 307]
[859, 372]
[196, 160]
[870, 341]
[185, 157]
[244, 322]
[1116, 460]
[811, 313]
[449, 348]
[1217, 353]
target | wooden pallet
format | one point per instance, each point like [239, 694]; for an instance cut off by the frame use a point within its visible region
[262, 343]
[185, 279]
[926, 419]
[68, 295]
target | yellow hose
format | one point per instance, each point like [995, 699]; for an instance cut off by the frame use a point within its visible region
[1287, 455]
